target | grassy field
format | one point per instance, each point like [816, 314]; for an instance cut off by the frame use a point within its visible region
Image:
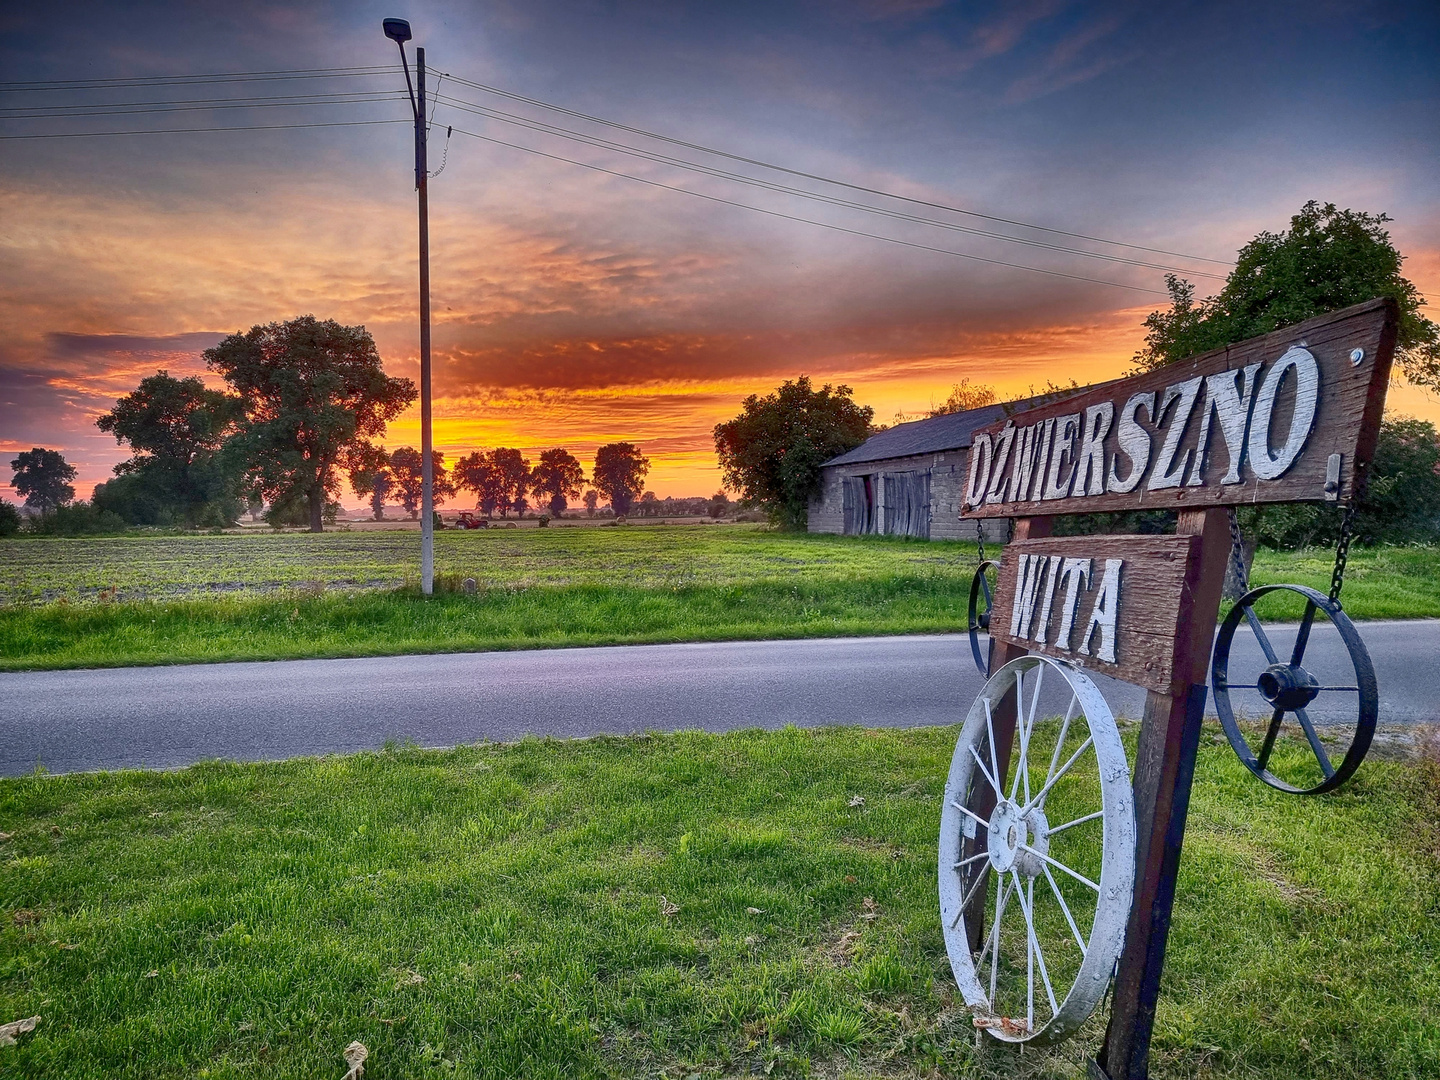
[672, 906]
[144, 600]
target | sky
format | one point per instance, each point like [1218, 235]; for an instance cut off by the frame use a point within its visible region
[634, 299]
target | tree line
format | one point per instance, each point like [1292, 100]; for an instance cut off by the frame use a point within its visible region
[304, 405]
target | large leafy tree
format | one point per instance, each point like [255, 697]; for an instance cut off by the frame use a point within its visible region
[558, 475]
[176, 428]
[314, 395]
[513, 483]
[405, 467]
[43, 477]
[1329, 259]
[372, 479]
[478, 473]
[619, 474]
[772, 452]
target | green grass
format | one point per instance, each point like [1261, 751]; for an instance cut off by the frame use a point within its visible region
[152, 600]
[582, 909]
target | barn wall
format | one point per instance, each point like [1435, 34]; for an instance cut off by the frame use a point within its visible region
[947, 481]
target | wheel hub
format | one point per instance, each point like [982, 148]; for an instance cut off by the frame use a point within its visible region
[1011, 834]
[1287, 687]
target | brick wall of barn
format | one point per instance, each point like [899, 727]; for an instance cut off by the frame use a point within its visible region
[947, 482]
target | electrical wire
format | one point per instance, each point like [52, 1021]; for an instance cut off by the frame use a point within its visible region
[340, 99]
[815, 176]
[707, 170]
[176, 131]
[808, 221]
[181, 80]
[60, 110]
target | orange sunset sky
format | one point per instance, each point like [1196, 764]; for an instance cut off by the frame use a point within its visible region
[574, 306]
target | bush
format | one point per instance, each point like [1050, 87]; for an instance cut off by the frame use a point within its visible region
[77, 519]
[10, 519]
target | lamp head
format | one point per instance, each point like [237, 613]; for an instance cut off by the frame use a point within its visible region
[398, 30]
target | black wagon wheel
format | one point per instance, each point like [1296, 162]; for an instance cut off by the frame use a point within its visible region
[1286, 688]
[981, 598]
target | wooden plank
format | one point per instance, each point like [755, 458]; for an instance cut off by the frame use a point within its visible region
[1164, 770]
[1253, 422]
[1111, 603]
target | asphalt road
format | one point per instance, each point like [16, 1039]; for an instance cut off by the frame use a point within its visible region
[159, 717]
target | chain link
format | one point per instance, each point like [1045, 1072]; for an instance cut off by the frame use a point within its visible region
[1342, 554]
[1237, 553]
[980, 536]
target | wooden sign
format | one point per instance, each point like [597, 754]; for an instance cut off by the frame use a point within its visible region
[1111, 603]
[1291, 416]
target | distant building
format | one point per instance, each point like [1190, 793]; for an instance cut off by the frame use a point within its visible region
[909, 479]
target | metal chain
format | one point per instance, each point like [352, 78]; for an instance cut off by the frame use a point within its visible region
[1342, 553]
[980, 537]
[1237, 553]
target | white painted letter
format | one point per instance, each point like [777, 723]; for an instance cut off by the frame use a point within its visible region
[1090, 462]
[1134, 442]
[1269, 466]
[982, 451]
[1231, 407]
[1103, 616]
[1062, 457]
[1052, 579]
[999, 489]
[1169, 472]
[1076, 573]
[1027, 589]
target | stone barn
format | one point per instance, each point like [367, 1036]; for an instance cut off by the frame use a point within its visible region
[907, 480]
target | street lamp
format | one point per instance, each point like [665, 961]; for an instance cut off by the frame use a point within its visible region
[398, 31]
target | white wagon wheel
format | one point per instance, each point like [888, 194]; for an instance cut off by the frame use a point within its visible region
[1054, 898]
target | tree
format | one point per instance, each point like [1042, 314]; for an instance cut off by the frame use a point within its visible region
[406, 467]
[43, 477]
[1328, 260]
[176, 427]
[314, 394]
[619, 474]
[772, 452]
[719, 503]
[477, 472]
[513, 469]
[10, 519]
[649, 504]
[965, 396]
[592, 500]
[373, 480]
[558, 475]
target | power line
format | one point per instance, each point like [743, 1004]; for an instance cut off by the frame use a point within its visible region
[181, 80]
[60, 110]
[178, 131]
[708, 170]
[815, 176]
[808, 221]
[338, 99]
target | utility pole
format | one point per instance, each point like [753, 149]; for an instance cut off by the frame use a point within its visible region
[398, 30]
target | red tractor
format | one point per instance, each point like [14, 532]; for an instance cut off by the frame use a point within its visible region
[467, 520]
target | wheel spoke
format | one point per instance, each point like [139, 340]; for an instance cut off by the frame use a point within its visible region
[989, 779]
[1020, 728]
[970, 813]
[1039, 800]
[994, 760]
[1064, 731]
[1002, 890]
[1259, 631]
[1077, 821]
[985, 590]
[1029, 953]
[1315, 744]
[971, 859]
[1302, 636]
[1060, 866]
[1028, 911]
[1264, 757]
[1030, 730]
[1080, 941]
